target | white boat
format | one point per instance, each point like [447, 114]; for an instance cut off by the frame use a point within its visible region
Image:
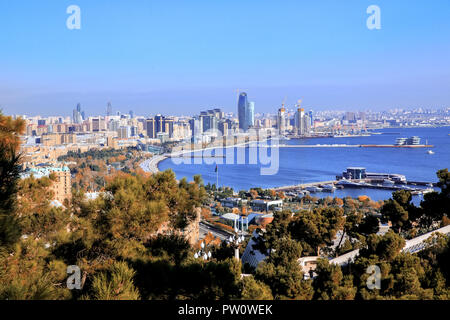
[388, 182]
[430, 152]
[313, 189]
[348, 184]
[329, 188]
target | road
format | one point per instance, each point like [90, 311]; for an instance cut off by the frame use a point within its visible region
[205, 229]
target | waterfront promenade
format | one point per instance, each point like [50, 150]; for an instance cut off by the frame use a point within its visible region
[151, 165]
[304, 185]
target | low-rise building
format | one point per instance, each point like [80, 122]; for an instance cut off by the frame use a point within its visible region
[61, 187]
[265, 205]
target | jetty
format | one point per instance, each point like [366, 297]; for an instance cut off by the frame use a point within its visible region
[346, 146]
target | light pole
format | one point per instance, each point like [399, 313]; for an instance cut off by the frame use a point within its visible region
[236, 240]
[202, 253]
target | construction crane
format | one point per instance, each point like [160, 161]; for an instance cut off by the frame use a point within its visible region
[284, 101]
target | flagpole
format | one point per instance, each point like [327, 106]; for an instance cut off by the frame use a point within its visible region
[217, 177]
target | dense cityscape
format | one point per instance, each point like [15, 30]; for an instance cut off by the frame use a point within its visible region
[74, 164]
[131, 168]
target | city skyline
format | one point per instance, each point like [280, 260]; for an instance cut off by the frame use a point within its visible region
[154, 56]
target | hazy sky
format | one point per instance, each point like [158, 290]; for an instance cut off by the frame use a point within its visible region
[179, 57]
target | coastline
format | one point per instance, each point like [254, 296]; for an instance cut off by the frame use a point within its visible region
[152, 165]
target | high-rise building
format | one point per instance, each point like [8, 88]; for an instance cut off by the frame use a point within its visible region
[96, 125]
[124, 132]
[151, 128]
[159, 119]
[77, 118]
[302, 122]
[243, 111]
[223, 127]
[281, 121]
[160, 124]
[299, 121]
[350, 117]
[109, 109]
[250, 115]
[168, 126]
[196, 129]
[210, 119]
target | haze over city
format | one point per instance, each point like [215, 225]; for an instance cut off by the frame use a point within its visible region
[183, 57]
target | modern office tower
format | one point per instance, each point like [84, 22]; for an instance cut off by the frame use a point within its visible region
[250, 115]
[196, 129]
[83, 116]
[113, 125]
[159, 120]
[218, 113]
[350, 117]
[124, 132]
[302, 122]
[205, 119]
[168, 126]
[223, 127]
[96, 125]
[77, 118]
[210, 119]
[41, 122]
[299, 121]
[281, 120]
[134, 131]
[151, 128]
[362, 116]
[267, 123]
[242, 111]
[306, 124]
[109, 109]
[311, 119]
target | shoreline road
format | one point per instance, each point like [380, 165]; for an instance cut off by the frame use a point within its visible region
[151, 165]
[219, 233]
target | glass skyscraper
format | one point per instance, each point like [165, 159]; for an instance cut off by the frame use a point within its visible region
[242, 111]
[246, 112]
[250, 116]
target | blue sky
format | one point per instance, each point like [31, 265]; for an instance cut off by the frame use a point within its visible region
[179, 57]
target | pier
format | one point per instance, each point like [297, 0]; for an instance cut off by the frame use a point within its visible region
[347, 146]
[304, 185]
[364, 184]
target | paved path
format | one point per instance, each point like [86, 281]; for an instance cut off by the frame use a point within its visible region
[412, 246]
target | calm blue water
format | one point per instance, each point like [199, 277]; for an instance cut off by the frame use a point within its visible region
[300, 165]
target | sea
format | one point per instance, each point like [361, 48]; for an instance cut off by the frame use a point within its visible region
[303, 165]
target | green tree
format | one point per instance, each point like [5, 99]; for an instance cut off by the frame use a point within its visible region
[282, 272]
[330, 283]
[252, 289]
[114, 284]
[10, 131]
[317, 228]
